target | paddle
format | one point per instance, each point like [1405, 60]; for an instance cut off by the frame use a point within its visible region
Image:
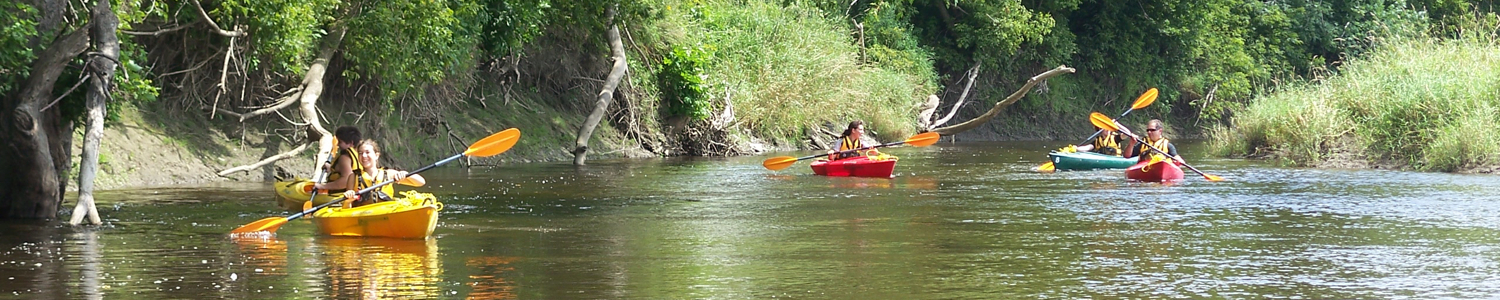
[920, 140]
[489, 146]
[1140, 102]
[1104, 122]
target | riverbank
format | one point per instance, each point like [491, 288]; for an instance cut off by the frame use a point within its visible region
[1421, 104]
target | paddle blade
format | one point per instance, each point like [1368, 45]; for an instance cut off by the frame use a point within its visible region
[779, 162]
[1103, 121]
[1145, 99]
[924, 139]
[494, 144]
[267, 225]
[1046, 168]
[1211, 177]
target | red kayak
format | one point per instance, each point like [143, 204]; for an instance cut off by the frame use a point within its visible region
[880, 166]
[1158, 172]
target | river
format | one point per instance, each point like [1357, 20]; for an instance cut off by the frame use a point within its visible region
[960, 221]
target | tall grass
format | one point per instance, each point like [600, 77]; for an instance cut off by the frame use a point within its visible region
[1429, 104]
[789, 67]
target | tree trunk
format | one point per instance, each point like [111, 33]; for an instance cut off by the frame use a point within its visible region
[32, 186]
[617, 50]
[103, 68]
[1016, 96]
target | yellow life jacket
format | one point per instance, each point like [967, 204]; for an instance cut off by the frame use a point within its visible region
[354, 165]
[848, 143]
[1159, 144]
[377, 176]
[1107, 144]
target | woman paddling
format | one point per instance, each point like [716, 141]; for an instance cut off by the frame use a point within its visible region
[369, 160]
[850, 141]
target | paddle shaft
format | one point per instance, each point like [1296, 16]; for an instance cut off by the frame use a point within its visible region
[318, 174]
[1096, 133]
[851, 150]
[373, 187]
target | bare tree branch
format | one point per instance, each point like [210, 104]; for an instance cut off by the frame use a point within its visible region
[161, 31]
[284, 102]
[973, 72]
[1016, 96]
[217, 29]
[265, 161]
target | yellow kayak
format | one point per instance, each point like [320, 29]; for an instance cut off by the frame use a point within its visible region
[411, 215]
[292, 195]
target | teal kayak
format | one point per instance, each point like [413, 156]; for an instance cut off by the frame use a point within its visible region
[1088, 161]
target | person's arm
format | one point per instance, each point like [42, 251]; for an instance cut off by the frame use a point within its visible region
[1130, 149]
[1172, 152]
[345, 174]
[408, 179]
[1084, 148]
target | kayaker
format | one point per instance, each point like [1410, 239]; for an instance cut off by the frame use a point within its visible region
[1156, 138]
[369, 159]
[1107, 143]
[850, 141]
[345, 167]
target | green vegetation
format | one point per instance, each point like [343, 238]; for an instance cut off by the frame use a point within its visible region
[787, 68]
[1428, 103]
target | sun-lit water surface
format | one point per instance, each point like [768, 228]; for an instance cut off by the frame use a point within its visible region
[967, 221]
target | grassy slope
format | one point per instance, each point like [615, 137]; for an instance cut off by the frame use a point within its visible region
[1423, 104]
[787, 68]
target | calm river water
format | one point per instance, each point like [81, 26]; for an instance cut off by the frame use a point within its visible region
[961, 221]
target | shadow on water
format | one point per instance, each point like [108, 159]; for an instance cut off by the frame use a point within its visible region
[958, 221]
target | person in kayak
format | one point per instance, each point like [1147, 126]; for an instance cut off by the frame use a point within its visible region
[850, 141]
[1156, 138]
[1107, 143]
[369, 160]
[345, 167]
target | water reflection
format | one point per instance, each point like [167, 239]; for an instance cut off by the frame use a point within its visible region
[375, 268]
[969, 221]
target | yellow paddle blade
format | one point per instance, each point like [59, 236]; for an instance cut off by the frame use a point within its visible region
[1103, 121]
[268, 224]
[1046, 168]
[1145, 99]
[1211, 177]
[924, 139]
[779, 162]
[494, 144]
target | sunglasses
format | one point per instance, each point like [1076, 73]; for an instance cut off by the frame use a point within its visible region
[1152, 129]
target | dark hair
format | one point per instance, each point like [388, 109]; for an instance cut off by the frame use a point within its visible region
[852, 126]
[347, 134]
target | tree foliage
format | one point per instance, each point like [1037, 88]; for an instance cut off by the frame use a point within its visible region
[17, 28]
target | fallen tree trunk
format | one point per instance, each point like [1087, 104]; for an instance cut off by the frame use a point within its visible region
[307, 98]
[1016, 96]
[617, 51]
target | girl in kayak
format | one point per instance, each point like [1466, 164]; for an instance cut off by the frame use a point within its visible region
[850, 141]
[1107, 143]
[1156, 138]
[369, 160]
[345, 166]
